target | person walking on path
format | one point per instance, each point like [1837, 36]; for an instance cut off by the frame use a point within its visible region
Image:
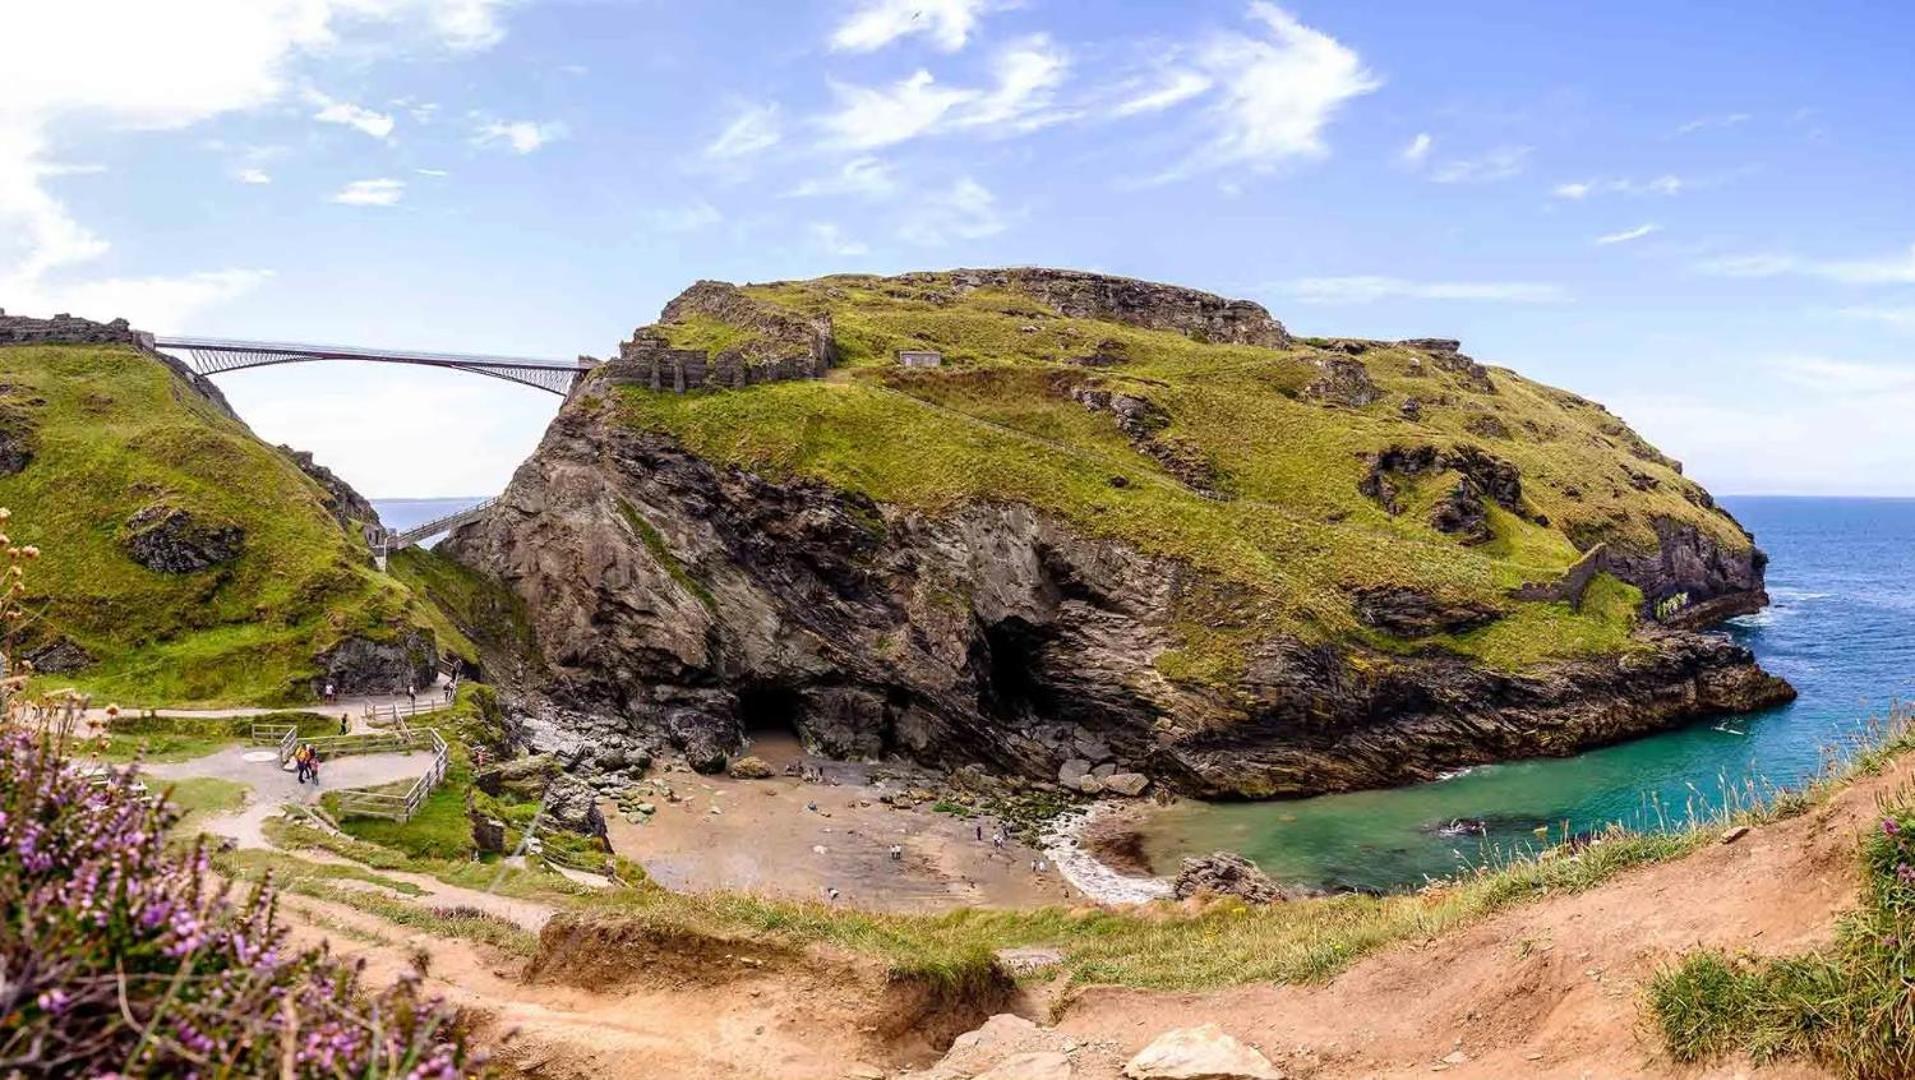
[452, 688]
[302, 763]
[345, 723]
[329, 695]
[412, 694]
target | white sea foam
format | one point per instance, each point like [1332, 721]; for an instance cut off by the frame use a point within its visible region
[1093, 878]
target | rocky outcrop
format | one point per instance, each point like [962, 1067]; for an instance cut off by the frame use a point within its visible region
[346, 505]
[1080, 294]
[682, 604]
[361, 665]
[1342, 382]
[1716, 582]
[1143, 422]
[1444, 354]
[171, 540]
[1225, 873]
[1412, 613]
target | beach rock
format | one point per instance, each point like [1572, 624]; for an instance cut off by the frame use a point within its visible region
[1072, 771]
[1225, 873]
[1089, 785]
[1034, 1065]
[750, 767]
[572, 804]
[1128, 784]
[171, 540]
[1199, 1053]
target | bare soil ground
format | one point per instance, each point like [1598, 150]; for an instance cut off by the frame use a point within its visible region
[766, 837]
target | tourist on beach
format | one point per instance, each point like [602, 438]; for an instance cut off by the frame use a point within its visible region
[980, 833]
[897, 852]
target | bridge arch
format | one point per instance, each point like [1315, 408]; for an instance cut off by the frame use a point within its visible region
[217, 356]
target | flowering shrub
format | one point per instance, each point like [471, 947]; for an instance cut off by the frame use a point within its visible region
[122, 957]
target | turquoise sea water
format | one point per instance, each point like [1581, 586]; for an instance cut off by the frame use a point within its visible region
[1841, 629]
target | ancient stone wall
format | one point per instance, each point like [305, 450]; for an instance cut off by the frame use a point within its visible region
[65, 329]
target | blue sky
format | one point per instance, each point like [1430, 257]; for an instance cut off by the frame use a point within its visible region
[1696, 214]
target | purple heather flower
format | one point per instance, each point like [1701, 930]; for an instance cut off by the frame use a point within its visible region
[54, 1001]
[1891, 827]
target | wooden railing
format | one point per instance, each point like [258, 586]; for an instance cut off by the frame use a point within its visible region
[401, 808]
[392, 714]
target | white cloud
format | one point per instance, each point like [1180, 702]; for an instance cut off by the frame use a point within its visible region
[1893, 269]
[253, 176]
[865, 175]
[160, 304]
[1582, 189]
[383, 191]
[158, 66]
[1364, 289]
[1498, 163]
[376, 124]
[1418, 150]
[755, 128]
[690, 218]
[877, 23]
[1627, 235]
[833, 241]
[519, 136]
[1027, 73]
[1175, 88]
[1721, 121]
[965, 211]
[1276, 94]
[432, 172]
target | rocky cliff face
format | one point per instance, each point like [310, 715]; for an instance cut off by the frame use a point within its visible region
[685, 604]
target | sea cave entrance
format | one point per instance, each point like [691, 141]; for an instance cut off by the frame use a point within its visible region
[768, 714]
[1014, 687]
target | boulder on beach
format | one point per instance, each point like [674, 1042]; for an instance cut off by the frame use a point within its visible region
[1226, 873]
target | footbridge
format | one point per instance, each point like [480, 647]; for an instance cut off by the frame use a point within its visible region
[217, 356]
[384, 542]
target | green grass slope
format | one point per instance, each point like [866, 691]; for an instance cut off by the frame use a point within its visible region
[115, 431]
[1294, 537]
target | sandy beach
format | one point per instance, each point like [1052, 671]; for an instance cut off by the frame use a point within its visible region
[787, 837]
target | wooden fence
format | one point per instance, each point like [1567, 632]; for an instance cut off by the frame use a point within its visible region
[401, 808]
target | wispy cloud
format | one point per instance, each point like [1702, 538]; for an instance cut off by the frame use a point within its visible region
[368, 121]
[1901, 318]
[877, 23]
[755, 128]
[832, 240]
[965, 211]
[1582, 189]
[865, 175]
[1497, 163]
[1417, 151]
[253, 176]
[1892, 269]
[432, 172]
[1721, 120]
[383, 191]
[1627, 235]
[1365, 289]
[1276, 93]
[1027, 74]
[518, 136]
[1172, 88]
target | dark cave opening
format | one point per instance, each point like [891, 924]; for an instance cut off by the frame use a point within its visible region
[1014, 686]
[768, 709]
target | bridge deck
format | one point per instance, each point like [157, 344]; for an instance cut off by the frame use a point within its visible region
[216, 356]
